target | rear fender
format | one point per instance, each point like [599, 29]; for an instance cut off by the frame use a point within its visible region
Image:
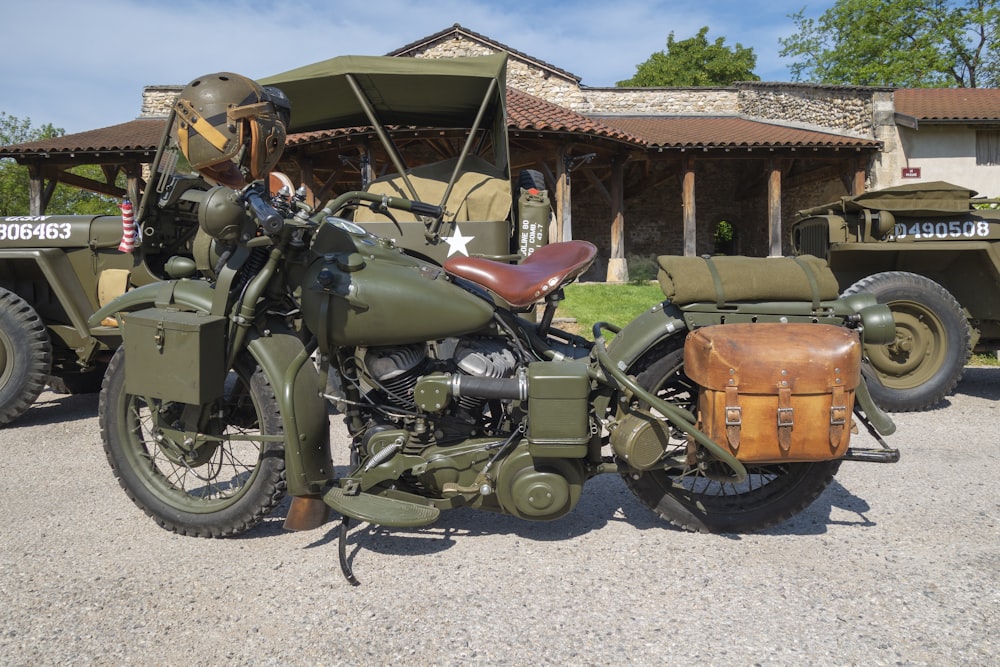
[658, 323]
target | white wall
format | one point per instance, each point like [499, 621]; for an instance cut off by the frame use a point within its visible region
[944, 153]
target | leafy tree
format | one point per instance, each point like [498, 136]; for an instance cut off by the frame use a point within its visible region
[899, 43]
[14, 180]
[695, 62]
[13, 177]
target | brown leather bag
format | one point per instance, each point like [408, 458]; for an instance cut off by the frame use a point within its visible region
[776, 392]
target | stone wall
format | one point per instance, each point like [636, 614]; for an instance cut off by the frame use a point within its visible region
[157, 100]
[834, 108]
[560, 88]
[844, 109]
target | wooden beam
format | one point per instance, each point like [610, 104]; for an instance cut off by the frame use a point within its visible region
[687, 202]
[774, 208]
[858, 187]
[564, 201]
[617, 266]
[597, 185]
[109, 189]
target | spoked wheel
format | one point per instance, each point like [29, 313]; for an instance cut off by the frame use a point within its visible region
[223, 480]
[704, 498]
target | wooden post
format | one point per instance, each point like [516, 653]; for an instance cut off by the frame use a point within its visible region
[859, 179]
[687, 198]
[774, 209]
[564, 200]
[617, 266]
[35, 204]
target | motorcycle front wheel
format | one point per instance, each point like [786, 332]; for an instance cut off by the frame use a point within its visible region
[224, 487]
[702, 498]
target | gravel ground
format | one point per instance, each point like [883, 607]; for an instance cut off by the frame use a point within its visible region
[894, 564]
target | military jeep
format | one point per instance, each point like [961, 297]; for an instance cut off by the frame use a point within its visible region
[931, 251]
[55, 272]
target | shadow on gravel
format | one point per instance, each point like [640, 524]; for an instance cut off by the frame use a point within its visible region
[52, 408]
[981, 382]
[609, 501]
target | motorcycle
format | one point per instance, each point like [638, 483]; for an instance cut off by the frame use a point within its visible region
[216, 405]
[728, 406]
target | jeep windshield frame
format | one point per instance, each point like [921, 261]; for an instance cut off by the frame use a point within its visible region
[384, 92]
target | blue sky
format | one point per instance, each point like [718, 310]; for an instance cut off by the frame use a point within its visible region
[82, 65]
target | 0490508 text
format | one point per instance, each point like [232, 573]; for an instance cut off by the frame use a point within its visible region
[952, 229]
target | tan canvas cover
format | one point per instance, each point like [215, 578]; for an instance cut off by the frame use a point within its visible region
[936, 198]
[481, 193]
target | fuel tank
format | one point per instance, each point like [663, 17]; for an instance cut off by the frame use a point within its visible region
[363, 290]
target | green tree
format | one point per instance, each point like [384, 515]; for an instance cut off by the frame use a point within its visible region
[695, 62]
[14, 178]
[899, 43]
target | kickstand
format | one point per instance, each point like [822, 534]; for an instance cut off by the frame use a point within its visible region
[345, 567]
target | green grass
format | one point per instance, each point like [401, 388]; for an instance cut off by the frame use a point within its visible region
[614, 303]
[989, 359]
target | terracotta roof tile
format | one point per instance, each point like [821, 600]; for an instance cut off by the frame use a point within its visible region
[530, 113]
[525, 113]
[728, 132]
[948, 104]
[142, 134]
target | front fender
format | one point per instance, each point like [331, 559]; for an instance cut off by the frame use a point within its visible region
[189, 294]
[298, 386]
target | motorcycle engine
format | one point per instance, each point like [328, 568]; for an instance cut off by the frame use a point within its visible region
[396, 369]
[459, 438]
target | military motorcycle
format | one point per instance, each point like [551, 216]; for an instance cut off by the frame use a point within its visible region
[728, 406]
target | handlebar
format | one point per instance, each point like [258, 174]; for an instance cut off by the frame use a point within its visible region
[270, 220]
[414, 207]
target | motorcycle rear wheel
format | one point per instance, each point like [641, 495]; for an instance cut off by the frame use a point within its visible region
[695, 501]
[227, 489]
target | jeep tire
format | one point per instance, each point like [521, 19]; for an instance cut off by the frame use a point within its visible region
[25, 356]
[926, 360]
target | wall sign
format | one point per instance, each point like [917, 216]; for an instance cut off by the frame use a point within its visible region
[911, 172]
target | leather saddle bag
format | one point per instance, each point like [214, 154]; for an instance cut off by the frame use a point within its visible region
[776, 392]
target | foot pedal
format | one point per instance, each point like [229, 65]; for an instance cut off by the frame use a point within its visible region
[381, 511]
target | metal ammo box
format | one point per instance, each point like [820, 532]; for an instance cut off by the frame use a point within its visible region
[175, 355]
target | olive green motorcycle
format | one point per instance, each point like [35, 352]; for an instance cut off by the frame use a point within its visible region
[455, 386]
[217, 403]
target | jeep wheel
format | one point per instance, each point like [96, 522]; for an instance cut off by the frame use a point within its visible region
[925, 361]
[25, 356]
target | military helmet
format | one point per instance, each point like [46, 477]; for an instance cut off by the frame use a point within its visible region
[230, 129]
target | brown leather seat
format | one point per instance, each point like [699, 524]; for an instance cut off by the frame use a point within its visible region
[521, 285]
